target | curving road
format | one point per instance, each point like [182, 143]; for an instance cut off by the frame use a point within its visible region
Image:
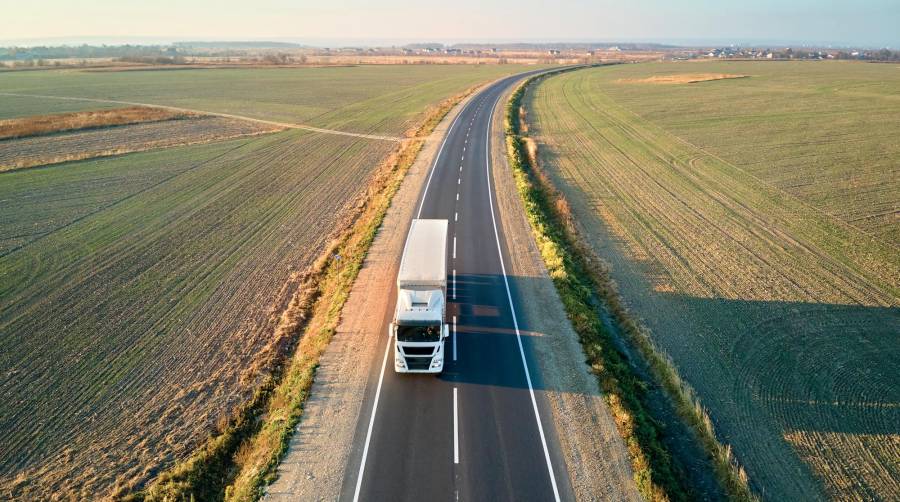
[479, 431]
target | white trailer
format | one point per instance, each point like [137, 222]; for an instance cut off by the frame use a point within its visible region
[419, 327]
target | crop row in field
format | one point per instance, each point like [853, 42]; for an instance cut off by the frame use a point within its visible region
[825, 134]
[364, 99]
[782, 316]
[138, 292]
[77, 145]
[133, 318]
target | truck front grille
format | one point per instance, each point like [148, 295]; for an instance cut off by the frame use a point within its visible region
[418, 363]
[418, 351]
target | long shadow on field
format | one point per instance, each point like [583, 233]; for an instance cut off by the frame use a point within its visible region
[814, 366]
[783, 380]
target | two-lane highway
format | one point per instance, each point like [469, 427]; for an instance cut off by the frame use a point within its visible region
[479, 431]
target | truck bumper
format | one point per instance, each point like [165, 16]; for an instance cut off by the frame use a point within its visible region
[439, 369]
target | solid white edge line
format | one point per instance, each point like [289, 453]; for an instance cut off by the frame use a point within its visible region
[537, 415]
[454, 338]
[362, 462]
[455, 428]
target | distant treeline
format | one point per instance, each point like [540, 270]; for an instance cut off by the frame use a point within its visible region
[880, 55]
[86, 52]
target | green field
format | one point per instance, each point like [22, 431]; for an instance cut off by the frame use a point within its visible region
[138, 293]
[752, 224]
[381, 99]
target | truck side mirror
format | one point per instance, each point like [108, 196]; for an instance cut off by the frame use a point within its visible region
[446, 331]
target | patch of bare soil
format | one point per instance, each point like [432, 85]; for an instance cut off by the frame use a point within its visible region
[684, 78]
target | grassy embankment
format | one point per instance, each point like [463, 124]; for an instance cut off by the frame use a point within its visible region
[581, 279]
[241, 461]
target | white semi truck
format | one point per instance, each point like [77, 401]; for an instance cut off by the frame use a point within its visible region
[419, 328]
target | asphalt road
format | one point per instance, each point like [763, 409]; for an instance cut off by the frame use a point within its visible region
[480, 430]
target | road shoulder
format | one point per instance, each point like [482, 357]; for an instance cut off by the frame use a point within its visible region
[314, 466]
[596, 458]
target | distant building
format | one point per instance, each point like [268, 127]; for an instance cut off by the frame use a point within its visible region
[553, 52]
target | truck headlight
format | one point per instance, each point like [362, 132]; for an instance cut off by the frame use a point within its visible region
[437, 361]
[400, 362]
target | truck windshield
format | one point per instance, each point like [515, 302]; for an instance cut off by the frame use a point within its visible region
[419, 333]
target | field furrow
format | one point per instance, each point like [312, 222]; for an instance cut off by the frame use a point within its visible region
[139, 292]
[759, 256]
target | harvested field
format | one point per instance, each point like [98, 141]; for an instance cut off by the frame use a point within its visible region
[155, 298]
[822, 132]
[78, 145]
[382, 99]
[779, 309]
[138, 293]
[46, 124]
[681, 78]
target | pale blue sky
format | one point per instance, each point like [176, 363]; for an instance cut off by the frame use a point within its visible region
[864, 22]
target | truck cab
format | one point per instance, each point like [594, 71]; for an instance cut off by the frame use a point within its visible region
[418, 328]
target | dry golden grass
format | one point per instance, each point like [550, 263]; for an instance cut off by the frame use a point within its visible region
[48, 124]
[90, 143]
[685, 78]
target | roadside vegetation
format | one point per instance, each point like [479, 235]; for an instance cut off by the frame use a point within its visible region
[749, 225]
[586, 290]
[238, 464]
[140, 294]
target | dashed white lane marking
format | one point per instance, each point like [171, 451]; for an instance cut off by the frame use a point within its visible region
[387, 348]
[462, 158]
[455, 216]
[454, 283]
[422, 204]
[454, 338]
[454, 245]
[459, 181]
[457, 197]
[512, 308]
[455, 428]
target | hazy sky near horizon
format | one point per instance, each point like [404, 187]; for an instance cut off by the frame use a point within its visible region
[863, 22]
